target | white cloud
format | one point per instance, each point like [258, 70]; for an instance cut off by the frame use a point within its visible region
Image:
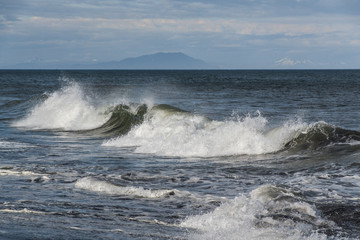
[288, 62]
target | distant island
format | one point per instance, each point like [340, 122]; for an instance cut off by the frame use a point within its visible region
[156, 61]
[161, 60]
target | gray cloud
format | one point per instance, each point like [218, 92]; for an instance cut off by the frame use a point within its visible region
[176, 8]
[250, 33]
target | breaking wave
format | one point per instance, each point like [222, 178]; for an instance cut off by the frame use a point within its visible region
[268, 212]
[188, 135]
[169, 131]
[122, 119]
[66, 109]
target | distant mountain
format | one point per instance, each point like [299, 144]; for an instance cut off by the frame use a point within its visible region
[156, 61]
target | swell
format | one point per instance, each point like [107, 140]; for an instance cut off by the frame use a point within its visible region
[15, 108]
[320, 135]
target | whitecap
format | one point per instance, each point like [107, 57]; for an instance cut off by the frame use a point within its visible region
[25, 211]
[186, 135]
[268, 212]
[99, 186]
[66, 109]
[12, 145]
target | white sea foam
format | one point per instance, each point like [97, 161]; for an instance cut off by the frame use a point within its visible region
[11, 145]
[38, 177]
[184, 134]
[258, 216]
[11, 172]
[95, 185]
[346, 187]
[67, 109]
[25, 211]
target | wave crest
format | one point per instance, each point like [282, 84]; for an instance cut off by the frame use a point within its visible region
[188, 135]
[320, 135]
[66, 109]
[169, 131]
[184, 134]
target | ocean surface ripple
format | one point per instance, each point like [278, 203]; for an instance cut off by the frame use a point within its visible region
[180, 154]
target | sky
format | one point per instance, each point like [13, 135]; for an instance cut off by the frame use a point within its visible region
[228, 34]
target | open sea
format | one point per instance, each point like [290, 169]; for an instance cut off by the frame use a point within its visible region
[90, 154]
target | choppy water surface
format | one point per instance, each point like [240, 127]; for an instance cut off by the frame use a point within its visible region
[180, 154]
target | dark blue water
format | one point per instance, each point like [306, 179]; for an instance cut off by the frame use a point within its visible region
[180, 154]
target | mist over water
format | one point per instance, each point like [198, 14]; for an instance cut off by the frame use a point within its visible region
[180, 154]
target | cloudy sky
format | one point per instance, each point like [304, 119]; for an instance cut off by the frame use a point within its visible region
[244, 34]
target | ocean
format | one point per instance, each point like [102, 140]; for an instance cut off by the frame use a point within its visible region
[270, 154]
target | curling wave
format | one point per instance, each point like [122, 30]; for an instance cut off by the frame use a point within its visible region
[169, 131]
[122, 119]
[125, 117]
[70, 109]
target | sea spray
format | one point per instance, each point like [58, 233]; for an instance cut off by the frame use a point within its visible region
[268, 212]
[292, 193]
[177, 133]
[65, 109]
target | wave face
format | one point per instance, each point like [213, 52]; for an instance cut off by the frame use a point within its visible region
[270, 212]
[123, 118]
[320, 135]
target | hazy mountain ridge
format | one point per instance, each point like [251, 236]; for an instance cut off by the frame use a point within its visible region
[159, 60]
